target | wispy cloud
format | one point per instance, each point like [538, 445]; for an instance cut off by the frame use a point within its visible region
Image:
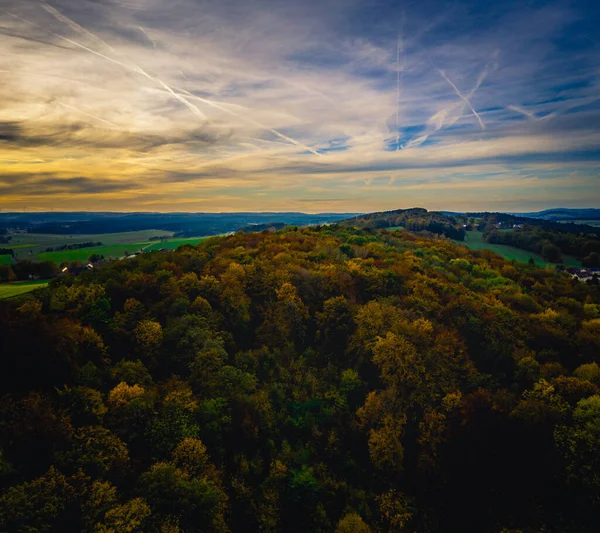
[255, 103]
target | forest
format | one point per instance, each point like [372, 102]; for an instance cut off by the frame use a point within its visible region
[417, 220]
[329, 379]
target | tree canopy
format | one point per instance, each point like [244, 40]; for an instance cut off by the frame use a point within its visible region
[324, 379]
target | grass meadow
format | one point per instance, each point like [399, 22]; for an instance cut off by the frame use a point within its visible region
[33, 245]
[8, 290]
[171, 244]
[474, 241]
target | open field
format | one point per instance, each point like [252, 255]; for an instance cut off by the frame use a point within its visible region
[33, 245]
[82, 254]
[586, 222]
[174, 243]
[474, 241]
[8, 290]
[114, 245]
[6, 260]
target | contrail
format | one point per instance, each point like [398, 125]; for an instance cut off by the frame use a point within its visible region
[522, 111]
[566, 107]
[399, 49]
[443, 74]
[438, 120]
[417, 142]
[147, 36]
[135, 68]
[250, 120]
[73, 25]
[178, 97]
[74, 43]
[398, 93]
[194, 109]
[89, 115]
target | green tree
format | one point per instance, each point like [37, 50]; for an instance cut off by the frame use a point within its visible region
[580, 444]
[38, 505]
[551, 252]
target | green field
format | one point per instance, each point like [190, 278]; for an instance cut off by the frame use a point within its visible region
[114, 251]
[33, 245]
[8, 290]
[6, 260]
[171, 244]
[474, 241]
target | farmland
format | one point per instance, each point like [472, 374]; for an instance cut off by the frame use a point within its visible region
[33, 245]
[115, 251]
[82, 254]
[171, 244]
[474, 241]
[8, 290]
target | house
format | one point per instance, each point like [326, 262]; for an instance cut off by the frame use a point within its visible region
[584, 274]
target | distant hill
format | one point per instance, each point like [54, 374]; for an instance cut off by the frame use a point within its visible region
[271, 226]
[416, 219]
[562, 213]
[182, 224]
[563, 225]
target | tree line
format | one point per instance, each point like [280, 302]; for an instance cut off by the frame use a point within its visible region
[76, 246]
[550, 244]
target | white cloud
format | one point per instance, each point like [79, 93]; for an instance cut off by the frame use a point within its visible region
[251, 91]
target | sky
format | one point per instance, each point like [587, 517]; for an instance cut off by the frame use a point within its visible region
[304, 105]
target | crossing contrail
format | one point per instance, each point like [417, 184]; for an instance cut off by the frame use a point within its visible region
[135, 68]
[463, 97]
[139, 70]
[439, 119]
[194, 109]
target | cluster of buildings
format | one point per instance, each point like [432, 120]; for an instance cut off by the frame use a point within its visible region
[502, 225]
[583, 274]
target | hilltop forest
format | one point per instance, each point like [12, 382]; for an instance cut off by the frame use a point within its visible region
[327, 379]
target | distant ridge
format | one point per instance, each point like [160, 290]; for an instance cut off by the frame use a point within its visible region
[182, 224]
[413, 219]
[563, 213]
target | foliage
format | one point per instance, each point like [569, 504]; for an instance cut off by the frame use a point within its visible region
[332, 378]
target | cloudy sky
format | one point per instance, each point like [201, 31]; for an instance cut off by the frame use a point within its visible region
[303, 105]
